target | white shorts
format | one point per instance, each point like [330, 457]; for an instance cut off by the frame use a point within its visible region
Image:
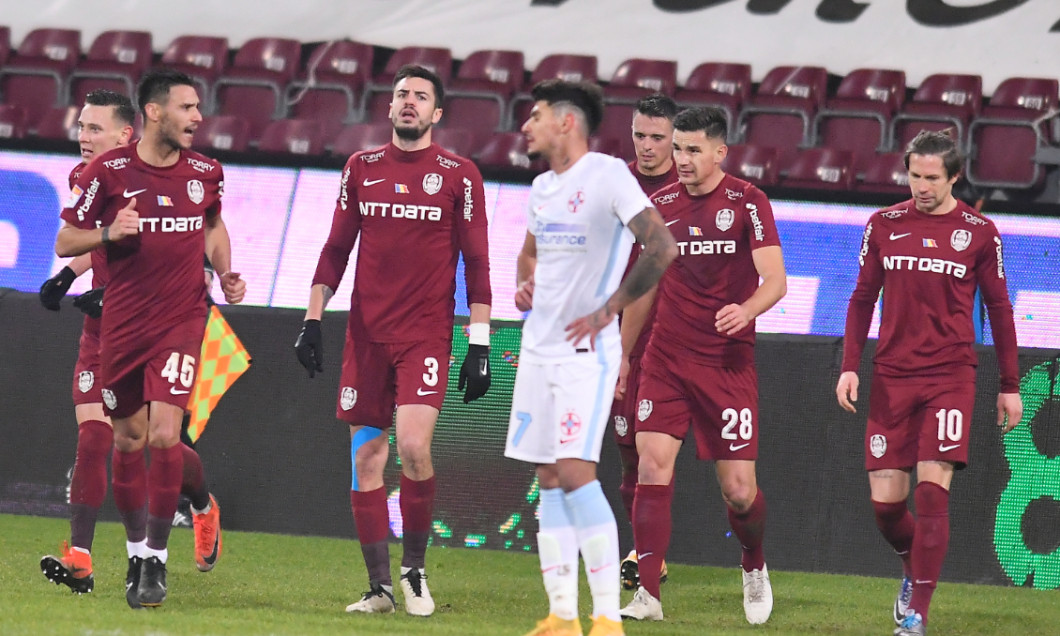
[560, 409]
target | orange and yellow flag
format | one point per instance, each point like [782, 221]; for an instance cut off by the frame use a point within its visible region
[222, 361]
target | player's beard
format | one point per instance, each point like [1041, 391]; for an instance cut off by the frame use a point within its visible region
[411, 133]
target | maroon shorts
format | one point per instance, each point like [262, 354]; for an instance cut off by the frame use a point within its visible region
[911, 422]
[377, 376]
[161, 371]
[624, 411]
[720, 404]
[87, 382]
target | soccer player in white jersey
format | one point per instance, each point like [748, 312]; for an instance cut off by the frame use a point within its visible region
[581, 213]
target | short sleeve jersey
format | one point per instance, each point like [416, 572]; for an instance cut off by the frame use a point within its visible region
[715, 234]
[929, 267]
[415, 214]
[578, 219]
[99, 255]
[154, 278]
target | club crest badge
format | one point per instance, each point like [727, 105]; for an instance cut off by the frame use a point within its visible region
[960, 240]
[621, 426]
[724, 219]
[348, 398]
[877, 445]
[644, 410]
[432, 183]
[85, 380]
[196, 192]
[109, 399]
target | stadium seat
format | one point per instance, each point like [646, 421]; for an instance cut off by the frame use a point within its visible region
[115, 61]
[637, 77]
[358, 137]
[292, 136]
[253, 86]
[820, 169]
[375, 103]
[1012, 127]
[478, 97]
[607, 146]
[58, 122]
[5, 44]
[757, 164]
[565, 66]
[222, 132]
[858, 118]
[781, 112]
[885, 173]
[329, 90]
[35, 77]
[456, 140]
[617, 125]
[202, 57]
[12, 121]
[507, 151]
[941, 101]
[720, 84]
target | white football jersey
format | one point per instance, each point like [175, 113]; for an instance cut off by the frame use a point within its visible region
[578, 219]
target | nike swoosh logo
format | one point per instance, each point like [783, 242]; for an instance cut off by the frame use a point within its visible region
[176, 391]
[669, 223]
[421, 392]
[919, 582]
[947, 447]
[602, 567]
[371, 182]
[211, 558]
[129, 195]
[736, 447]
[895, 237]
[484, 368]
[646, 554]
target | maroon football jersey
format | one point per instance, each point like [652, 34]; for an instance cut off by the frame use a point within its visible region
[99, 255]
[154, 278]
[715, 235]
[929, 267]
[415, 213]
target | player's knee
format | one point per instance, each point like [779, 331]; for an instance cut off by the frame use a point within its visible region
[738, 494]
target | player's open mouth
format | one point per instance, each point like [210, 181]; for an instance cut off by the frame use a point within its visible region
[86, 153]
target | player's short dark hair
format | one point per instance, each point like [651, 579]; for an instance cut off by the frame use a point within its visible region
[155, 85]
[587, 97]
[422, 72]
[657, 105]
[928, 142]
[710, 119]
[123, 108]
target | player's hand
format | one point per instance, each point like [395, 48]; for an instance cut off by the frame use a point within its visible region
[731, 319]
[847, 391]
[233, 287]
[91, 302]
[623, 379]
[475, 372]
[310, 347]
[53, 289]
[589, 326]
[524, 295]
[1009, 411]
[126, 222]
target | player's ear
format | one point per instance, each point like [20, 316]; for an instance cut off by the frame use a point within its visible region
[721, 153]
[436, 116]
[152, 111]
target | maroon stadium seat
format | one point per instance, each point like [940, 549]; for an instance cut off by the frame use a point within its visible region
[293, 137]
[757, 164]
[781, 112]
[358, 137]
[606, 145]
[720, 84]
[858, 118]
[507, 151]
[202, 57]
[222, 132]
[1012, 127]
[617, 125]
[886, 173]
[376, 101]
[941, 101]
[253, 87]
[58, 122]
[821, 169]
[637, 77]
[35, 78]
[478, 97]
[565, 66]
[115, 61]
[329, 90]
[5, 44]
[12, 121]
[455, 140]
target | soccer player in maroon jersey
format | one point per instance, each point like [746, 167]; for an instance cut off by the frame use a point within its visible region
[929, 254]
[698, 369]
[105, 123]
[155, 206]
[416, 208]
[653, 132]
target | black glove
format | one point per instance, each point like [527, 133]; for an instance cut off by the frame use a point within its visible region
[310, 347]
[53, 289]
[91, 302]
[475, 372]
